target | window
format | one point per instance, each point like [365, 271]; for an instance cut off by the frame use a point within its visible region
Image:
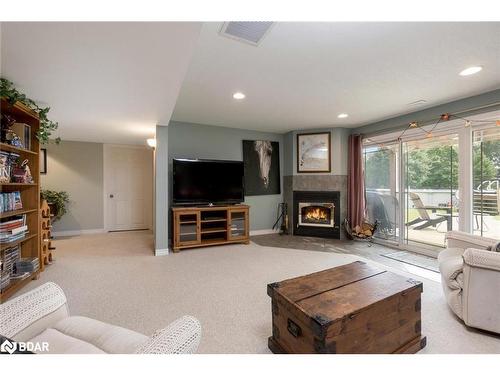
[486, 182]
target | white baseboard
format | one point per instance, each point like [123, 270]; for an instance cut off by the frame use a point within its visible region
[160, 252]
[260, 232]
[66, 233]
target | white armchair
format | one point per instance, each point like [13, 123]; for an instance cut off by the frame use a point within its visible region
[42, 315]
[470, 274]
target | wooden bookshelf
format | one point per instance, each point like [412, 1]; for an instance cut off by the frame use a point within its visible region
[16, 285]
[17, 212]
[17, 150]
[30, 193]
[19, 241]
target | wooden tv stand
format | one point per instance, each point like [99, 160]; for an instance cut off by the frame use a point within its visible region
[210, 225]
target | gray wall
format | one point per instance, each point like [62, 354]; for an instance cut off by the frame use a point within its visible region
[486, 102]
[187, 140]
[339, 137]
[77, 167]
[289, 148]
[161, 200]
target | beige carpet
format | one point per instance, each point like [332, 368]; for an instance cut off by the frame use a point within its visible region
[114, 278]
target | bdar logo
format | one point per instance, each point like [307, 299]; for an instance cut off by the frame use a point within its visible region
[8, 347]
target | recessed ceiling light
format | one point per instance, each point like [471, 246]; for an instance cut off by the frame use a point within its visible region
[471, 70]
[343, 115]
[238, 95]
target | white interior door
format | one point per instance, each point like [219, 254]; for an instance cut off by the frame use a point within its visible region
[128, 185]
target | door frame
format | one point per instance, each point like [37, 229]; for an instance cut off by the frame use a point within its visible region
[105, 168]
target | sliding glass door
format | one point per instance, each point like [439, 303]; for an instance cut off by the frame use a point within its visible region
[382, 189]
[431, 191]
[426, 181]
[486, 182]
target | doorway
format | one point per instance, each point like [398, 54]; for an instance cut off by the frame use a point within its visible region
[128, 188]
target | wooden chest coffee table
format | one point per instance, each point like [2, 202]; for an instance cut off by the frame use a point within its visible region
[355, 308]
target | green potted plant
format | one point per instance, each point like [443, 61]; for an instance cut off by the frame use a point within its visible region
[57, 201]
[47, 126]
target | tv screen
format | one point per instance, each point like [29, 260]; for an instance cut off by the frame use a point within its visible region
[207, 181]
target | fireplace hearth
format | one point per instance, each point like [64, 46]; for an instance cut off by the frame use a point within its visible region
[316, 213]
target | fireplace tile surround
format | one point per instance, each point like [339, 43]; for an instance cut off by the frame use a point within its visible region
[319, 183]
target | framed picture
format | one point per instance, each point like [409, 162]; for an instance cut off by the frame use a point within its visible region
[313, 153]
[43, 161]
[261, 161]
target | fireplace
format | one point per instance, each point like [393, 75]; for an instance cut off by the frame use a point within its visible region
[316, 213]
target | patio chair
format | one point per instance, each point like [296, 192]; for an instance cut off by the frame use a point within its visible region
[382, 208]
[424, 216]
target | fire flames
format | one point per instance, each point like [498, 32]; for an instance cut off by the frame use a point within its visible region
[316, 214]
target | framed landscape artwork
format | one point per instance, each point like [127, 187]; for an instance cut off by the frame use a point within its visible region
[261, 161]
[313, 153]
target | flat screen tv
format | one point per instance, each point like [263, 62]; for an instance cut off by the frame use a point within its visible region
[198, 181]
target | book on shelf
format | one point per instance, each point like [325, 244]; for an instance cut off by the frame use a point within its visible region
[13, 222]
[11, 201]
[12, 238]
[13, 229]
[20, 276]
[8, 162]
[4, 167]
[26, 265]
[8, 259]
[4, 281]
[22, 229]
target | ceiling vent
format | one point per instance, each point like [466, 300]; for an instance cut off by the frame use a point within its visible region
[247, 32]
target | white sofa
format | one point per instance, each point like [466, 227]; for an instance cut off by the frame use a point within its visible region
[42, 315]
[470, 273]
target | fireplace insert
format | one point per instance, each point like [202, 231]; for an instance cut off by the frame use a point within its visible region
[316, 213]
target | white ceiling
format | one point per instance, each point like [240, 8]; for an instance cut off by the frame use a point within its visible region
[303, 75]
[105, 82]
[113, 82]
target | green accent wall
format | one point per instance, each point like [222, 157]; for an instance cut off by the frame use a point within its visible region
[338, 152]
[187, 140]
